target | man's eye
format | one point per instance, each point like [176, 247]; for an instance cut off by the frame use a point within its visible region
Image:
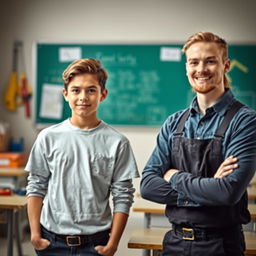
[75, 90]
[211, 61]
[193, 63]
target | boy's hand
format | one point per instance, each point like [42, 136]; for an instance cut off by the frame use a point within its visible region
[226, 167]
[40, 243]
[105, 250]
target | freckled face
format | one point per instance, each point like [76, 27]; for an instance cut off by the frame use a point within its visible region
[206, 68]
[84, 95]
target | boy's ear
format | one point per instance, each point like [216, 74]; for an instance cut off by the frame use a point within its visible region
[104, 94]
[65, 94]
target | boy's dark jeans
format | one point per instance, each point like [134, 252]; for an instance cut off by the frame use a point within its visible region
[62, 245]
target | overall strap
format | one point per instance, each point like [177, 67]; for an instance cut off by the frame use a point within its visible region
[228, 117]
[181, 124]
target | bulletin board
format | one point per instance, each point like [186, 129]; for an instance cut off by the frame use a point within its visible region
[147, 82]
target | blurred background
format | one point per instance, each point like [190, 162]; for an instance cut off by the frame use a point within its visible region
[110, 21]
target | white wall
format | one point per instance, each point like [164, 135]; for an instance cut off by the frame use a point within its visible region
[113, 21]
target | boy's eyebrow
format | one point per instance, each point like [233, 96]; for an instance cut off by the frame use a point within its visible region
[78, 86]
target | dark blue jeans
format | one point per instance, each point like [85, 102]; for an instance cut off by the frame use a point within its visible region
[231, 244]
[58, 246]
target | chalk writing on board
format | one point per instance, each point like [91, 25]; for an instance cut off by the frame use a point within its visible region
[117, 59]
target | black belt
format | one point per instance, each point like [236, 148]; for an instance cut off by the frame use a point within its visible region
[77, 240]
[199, 234]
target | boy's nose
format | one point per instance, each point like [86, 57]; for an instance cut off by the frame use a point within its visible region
[83, 96]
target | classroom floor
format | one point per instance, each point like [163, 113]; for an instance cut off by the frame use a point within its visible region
[26, 246]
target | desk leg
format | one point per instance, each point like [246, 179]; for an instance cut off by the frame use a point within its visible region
[9, 232]
[17, 233]
[254, 225]
[147, 221]
[146, 252]
[157, 253]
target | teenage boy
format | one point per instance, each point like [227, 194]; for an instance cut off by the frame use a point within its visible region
[205, 195]
[74, 168]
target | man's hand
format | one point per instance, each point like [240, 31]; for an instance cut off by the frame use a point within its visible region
[169, 173]
[226, 167]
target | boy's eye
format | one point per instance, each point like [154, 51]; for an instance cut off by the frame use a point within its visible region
[92, 90]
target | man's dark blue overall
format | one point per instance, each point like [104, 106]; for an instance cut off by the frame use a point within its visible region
[204, 230]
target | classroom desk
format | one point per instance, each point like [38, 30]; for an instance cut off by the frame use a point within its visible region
[12, 171]
[252, 193]
[149, 208]
[151, 240]
[12, 204]
[12, 176]
[253, 181]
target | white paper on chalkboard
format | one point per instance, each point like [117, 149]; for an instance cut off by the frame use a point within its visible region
[67, 54]
[170, 54]
[52, 101]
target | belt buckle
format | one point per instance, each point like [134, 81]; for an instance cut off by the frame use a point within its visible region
[190, 232]
[70, 238]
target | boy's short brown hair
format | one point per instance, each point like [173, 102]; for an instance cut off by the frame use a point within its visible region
[85, 66]
[210, 38]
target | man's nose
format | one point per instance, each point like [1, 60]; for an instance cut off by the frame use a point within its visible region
[201, 67]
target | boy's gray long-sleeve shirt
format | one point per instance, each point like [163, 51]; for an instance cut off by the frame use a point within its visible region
[76, 171]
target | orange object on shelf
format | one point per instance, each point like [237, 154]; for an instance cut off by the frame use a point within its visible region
[10, 159]
[5, 191]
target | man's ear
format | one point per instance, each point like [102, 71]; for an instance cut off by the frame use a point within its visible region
[186, 65]
[104, 94]
[65, 94]
[227, 65]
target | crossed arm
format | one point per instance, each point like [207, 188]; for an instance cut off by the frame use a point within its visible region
[226, 168]
[169, 195]
[167, 186]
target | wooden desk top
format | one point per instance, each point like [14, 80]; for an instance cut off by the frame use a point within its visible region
[150, 238]
[142, 205]
[145, 206]
[13, 202]
[252, 210]
[252, 192]
[253, 181]
[12, 172]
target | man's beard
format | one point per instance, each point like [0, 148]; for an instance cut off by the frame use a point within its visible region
[203, 88]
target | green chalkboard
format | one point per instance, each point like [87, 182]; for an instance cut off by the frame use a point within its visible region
[147, 82]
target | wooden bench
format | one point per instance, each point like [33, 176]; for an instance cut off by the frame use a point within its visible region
[151, 239]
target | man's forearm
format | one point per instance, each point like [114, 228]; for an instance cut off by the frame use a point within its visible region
[156, 189]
